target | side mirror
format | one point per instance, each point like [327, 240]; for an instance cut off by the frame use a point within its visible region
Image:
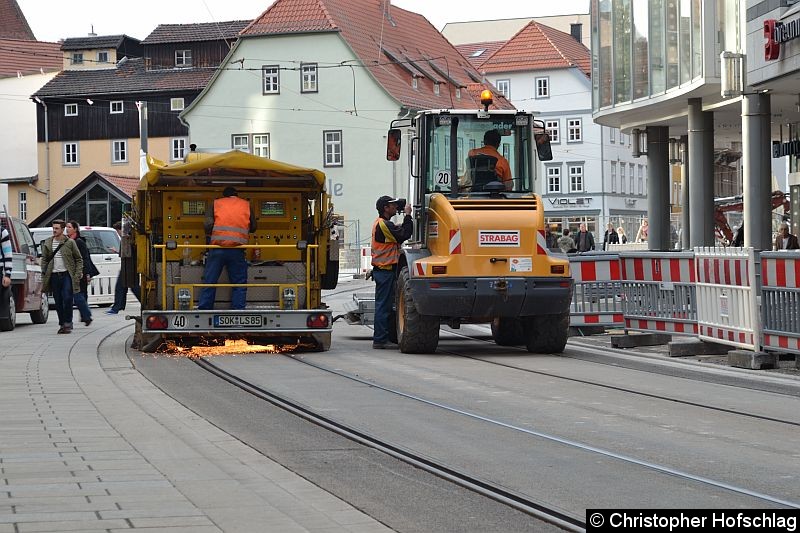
[543, 148]
[393, 141]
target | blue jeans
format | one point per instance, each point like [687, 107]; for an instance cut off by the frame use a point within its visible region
[384, 302]
[82, 304]
[234, 262]
[121, 293]
[61, 285]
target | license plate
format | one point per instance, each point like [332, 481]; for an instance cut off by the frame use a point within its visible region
[237, 321]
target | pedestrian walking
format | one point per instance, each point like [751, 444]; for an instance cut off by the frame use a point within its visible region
[584, 239]
[567, 243]
[121, 286]
[786, 240]
[644, 231]
[386, 240]
[89, 271]
[62, 268]
[610, 236]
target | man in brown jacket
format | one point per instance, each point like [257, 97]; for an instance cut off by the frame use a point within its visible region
[62, 269]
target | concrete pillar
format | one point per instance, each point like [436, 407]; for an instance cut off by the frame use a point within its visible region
[701, 175]
[685, 222]
[757, 163]
[658, 188]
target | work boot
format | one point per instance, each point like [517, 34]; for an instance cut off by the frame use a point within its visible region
[384, 346]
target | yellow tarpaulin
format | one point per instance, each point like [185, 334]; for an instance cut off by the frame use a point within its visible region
[204, 164]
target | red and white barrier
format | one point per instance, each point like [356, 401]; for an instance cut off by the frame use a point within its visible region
[659, 292]
[596, 300]
[727, 305]
[366, 259]
[780, 301]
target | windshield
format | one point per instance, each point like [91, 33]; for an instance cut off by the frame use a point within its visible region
[488, 150]
[101, 241]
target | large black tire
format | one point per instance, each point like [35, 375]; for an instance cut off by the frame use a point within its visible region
[331, 276]
[40, 316]
[547, 333]
[8, 309]
[416, 333]
[508, 331]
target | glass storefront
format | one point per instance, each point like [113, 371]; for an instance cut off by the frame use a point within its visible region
[644, 47]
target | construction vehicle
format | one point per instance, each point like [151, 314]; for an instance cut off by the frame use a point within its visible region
[735, 204]
[291, 256]
[479, 252]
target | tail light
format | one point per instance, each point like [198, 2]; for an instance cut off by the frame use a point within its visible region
[439, 269]
[317, 321]
[157, 322]
[557, 269]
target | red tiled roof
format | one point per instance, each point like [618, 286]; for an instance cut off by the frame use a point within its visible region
[538, 47]
[386, 45]
[28, 57]
[470, 51]
[126, 184]
[13, 24]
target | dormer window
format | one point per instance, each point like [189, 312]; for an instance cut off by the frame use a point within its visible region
[102, 57]
[183, 58]
[77, 58]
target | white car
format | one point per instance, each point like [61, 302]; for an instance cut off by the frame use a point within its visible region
[103, 246]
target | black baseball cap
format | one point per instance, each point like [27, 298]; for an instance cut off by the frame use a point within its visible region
[383, 201]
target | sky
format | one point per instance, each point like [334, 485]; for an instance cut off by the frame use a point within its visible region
[52, 20]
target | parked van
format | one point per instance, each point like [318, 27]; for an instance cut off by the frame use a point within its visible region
[103, 246]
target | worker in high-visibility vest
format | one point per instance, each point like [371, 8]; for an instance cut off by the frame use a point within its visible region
[229, 224]
[386, 240]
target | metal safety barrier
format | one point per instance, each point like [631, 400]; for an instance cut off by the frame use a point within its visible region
[627, 247]
[727, 290]
[350, 260]
[596, 300]
[780, 301]
[658, 292]
[366, 260]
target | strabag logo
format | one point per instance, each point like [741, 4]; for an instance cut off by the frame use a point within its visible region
[506, 238]
[777, 33]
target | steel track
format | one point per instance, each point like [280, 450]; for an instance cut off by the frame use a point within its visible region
[485, 488]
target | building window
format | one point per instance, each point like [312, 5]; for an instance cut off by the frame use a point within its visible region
[506, 150]
[576, 178]
[309, 78]
[71, 153]
[641, 179]
[612, 134]
[460, 154]
[178, 148]
[176, 104]
[613, 176]
[574, 130]
[261, 145]
[77, 58]
[183, 58]
[553, 180]
[241, 143]
[333, 148]
[622, 178]
[504, 88]
[552, 127]
[414, 82]
[70, 110]
[631, 168]
[542, 87]
[119, 151]
[272, 79]
[102, 57]
[458, 93]
[23, 205]
[116, 107]
[436, 89]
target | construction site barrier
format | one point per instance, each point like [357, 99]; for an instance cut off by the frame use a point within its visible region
[627, 247]
[780, 301]
[596, 300]
[727, 290]
[350, 260]
[366, 260]
[658, 292]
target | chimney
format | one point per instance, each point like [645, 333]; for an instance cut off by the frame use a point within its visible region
[576, 30]
[92, 33]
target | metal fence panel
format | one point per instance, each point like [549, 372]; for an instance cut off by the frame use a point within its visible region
[727, 290]
[780, 301]
[597, 298]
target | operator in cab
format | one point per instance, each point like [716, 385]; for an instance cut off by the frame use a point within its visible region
[386, 240]
[486, 164]
[229, 223]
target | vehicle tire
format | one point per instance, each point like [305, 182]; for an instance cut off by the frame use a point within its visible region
[8, 310]
[40, 316]
[508, 331]
[330, 278]
[416, 333]
[547, 333]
